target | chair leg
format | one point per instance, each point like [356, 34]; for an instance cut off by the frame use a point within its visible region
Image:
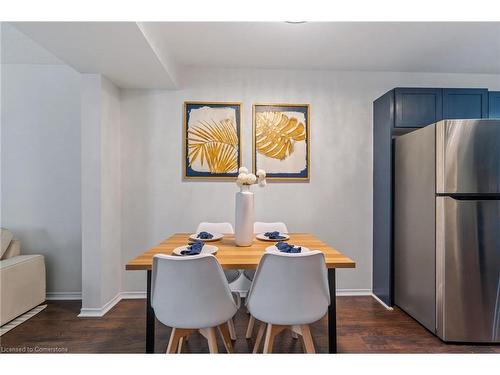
[232, 330]
[212, 340]
[271, 332]
[251, 323]
[307, 339]
[226, 338]
[174, 344]
[260, 334]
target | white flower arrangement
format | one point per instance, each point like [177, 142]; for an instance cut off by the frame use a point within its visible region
[247, 179]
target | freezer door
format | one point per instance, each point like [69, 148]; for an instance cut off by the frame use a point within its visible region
[468, 270]
[468, 156]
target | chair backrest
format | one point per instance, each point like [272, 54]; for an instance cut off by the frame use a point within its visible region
[260, 227]
[190, 292]
[290, 289]
[225, 228]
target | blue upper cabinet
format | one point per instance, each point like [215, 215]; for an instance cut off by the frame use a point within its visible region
[494, 104]
[417, 107]
[465, 103]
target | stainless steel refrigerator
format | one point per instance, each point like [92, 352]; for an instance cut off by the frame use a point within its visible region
[447, 228]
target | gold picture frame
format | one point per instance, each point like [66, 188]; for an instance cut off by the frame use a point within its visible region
[278, 110]
[214, 150]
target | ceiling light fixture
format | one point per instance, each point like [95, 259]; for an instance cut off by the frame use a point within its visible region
[295, 22]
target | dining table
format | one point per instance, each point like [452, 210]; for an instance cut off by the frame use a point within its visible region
[231, 256]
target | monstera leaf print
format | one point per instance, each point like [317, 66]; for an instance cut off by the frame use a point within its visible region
[276, 133]
[215, 144]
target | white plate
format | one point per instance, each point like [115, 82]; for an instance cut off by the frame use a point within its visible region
[216, 237]
[274, 249]
[207, 249]
[261, 237]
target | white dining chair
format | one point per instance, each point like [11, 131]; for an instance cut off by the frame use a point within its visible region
[231, 275]
[224, 228]
[289, 291]
[262, 227]
[192, 294]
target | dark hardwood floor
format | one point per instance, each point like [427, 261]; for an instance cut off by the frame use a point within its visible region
[364, 326]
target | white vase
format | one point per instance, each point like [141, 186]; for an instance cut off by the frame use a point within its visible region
[244, 217]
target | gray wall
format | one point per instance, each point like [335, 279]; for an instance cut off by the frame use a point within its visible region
[40, 163]
[337, 203]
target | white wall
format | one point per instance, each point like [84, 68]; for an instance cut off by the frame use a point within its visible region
[101, 194]
[336, 204]
[40, 168]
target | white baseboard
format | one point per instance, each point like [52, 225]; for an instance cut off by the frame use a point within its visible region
[55, 296]
[70, 296]
[243, 293]
[133, 295]
[381, 302]
[99, 312]
[353, 292]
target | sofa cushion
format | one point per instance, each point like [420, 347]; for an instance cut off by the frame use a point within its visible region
[13, 250]
[6, 237]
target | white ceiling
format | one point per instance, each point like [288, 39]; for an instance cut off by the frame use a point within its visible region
[119, 50]
[149, 55]
[409, 47]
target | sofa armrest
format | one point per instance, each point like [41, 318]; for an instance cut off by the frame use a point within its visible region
[22, 285]
[6, 237]
[13, 250]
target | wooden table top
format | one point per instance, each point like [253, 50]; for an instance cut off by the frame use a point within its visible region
[231, 256]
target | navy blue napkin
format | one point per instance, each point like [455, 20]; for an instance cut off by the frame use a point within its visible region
[287, 248]
[193, 249]
[274, 236]
[205, 235]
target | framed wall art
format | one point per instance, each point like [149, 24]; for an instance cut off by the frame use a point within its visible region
[212, 140]
[281, 140]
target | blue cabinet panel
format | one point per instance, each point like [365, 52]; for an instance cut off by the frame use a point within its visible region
[494, 104]
[417, 107]
[383, 122]
[465, 103]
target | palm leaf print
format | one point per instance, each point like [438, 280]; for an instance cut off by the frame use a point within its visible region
[276, 133]
[214, 143]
